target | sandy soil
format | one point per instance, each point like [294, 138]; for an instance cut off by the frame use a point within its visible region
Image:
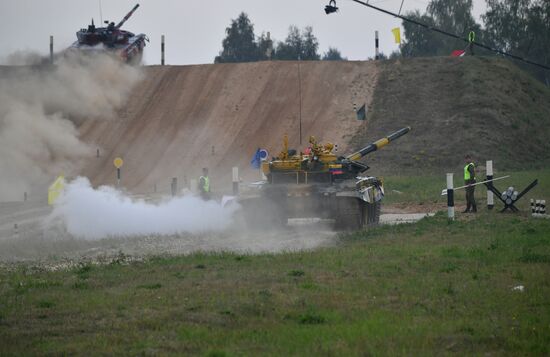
[182, 118]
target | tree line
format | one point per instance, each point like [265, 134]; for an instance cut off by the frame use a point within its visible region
[242, 45]
[519, 27]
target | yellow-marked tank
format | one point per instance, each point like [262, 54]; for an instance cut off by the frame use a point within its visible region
[319, 161]
[318, 183]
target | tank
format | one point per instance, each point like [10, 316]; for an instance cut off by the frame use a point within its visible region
[317, 183]
[111, 39]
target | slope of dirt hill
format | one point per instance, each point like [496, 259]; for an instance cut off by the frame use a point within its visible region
[182, 118]
[485, 106]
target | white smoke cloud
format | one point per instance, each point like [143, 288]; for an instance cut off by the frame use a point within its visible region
[93, 214]
[40, 107]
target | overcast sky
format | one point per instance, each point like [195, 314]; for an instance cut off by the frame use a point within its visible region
[194, 29]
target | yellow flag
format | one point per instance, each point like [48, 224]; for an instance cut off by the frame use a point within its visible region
[55, 189]
[397, 34]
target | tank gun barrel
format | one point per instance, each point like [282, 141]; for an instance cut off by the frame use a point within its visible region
[119, 25]
[380, 143]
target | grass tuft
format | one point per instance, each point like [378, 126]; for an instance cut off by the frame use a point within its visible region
[150, 286]
[296, 273]
[45, 304]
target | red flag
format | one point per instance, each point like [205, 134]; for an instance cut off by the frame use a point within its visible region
[458, 53]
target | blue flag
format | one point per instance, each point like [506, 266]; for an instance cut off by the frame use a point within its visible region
[256, 160]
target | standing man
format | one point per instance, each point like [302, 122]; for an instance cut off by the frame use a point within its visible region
[469, 179]
[204, 185]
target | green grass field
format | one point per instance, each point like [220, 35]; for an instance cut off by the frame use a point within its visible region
[430, 288]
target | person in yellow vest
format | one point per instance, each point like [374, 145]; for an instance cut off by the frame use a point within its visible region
[470, 179]
[204, 184]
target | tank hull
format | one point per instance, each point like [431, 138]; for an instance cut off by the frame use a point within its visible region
[349, 207]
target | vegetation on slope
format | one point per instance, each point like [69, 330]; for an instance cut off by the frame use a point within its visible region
[484, 106]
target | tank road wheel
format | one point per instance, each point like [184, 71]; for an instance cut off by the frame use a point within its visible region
[354, 214]
[371, 213]
[348, 214]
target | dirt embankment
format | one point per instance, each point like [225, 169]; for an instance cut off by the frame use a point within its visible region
[182, 118]
[484, 106]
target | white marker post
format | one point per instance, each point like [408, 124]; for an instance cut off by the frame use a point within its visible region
[376, 46]
[490, 197]
[235, 181]
[450, 198]
[162, 50]
[118, 162]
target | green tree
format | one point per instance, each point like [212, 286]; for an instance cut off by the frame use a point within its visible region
[239, 44]
[521, 27]
[419, 41]
[298, 45]
[451, 16]
[310, 45]
[265, 47]
[333, 54]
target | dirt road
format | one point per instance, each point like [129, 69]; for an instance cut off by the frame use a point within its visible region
[36, 239]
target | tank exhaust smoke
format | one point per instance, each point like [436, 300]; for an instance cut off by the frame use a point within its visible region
[93, 214]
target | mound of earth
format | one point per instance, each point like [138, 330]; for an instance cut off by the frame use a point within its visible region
[182, 118]
[484, 106]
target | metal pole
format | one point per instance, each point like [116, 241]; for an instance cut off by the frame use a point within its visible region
[376, 49]
[162, 50]
[450, 198]
[118, 176]
[235, 181]
[51, 49]
[400, 7]
[490, 197]
[300, 89]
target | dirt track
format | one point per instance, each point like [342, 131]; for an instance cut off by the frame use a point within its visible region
[182, 118]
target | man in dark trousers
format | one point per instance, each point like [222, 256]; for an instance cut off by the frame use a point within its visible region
[204, 185]
[470, 179]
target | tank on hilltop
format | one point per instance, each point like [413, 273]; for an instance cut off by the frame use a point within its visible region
[111, 39]
[317, 183]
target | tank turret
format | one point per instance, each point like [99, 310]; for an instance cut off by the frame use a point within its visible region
[319, 162]
[111, 39]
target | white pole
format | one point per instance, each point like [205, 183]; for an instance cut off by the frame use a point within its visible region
[376, 50]
[235, 175]
[490, 198]
[450, 197]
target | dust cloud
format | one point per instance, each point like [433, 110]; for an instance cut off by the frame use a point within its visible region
[105, 212]
[40, 108]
